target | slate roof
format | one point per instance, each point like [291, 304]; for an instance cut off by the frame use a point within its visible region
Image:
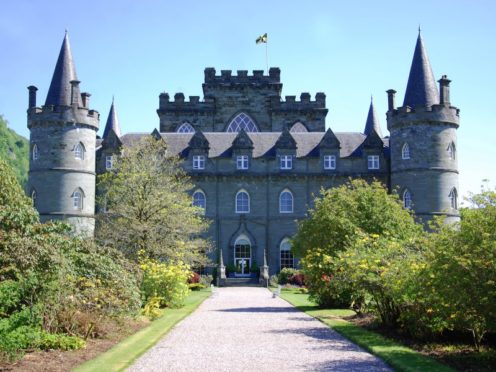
[263, 142]
[112, 122]
[372, 122]
[421, 88]
[59, 93]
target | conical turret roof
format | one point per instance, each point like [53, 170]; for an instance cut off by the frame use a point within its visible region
[59, 93]
[112, 122]
[372, 122]
[421, 88]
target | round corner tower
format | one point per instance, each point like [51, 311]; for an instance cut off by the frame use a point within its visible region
[62, 149]
[424, 168]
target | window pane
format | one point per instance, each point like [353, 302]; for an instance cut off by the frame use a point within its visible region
[242, 202]
[286, 202]
[185, 128]
[242, 121]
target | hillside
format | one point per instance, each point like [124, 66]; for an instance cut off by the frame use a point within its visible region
[15, 150]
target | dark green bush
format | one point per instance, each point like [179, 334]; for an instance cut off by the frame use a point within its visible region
[285, 274]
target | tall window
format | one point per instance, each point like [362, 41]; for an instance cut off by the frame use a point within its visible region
[185, 128]
[77, 199]
[287, 259]
[242, 202]
[33, 198]
[198, 162]
[286, 202]
[242, 162]
[373, 161]
[286, 162]
[329, 161]
[453, 195]
[407, 199]
[405, 151]
[298, 128]
[35, 152]
[451, 151]
[79, 151]
[242, 121]
[109, 162]
[199, 200]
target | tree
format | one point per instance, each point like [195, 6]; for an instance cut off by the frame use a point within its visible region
[148, 208]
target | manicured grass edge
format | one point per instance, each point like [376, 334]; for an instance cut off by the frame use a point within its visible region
[124, 353]
[398, 356]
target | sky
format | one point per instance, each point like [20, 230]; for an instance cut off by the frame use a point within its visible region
[350, 50]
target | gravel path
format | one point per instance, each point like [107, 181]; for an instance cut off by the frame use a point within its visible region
[246, 329]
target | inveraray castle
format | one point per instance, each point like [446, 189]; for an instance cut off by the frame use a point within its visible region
[256, 158]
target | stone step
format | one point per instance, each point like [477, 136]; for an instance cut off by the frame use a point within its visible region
[241, 282]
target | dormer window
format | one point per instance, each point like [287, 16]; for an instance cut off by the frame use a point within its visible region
[405, 152]
[242, 162]
[198, 162]
[109, 162]
[79, 151]
[286, 162]
[35, 152]
[185, 128]
[329, 161]
[373, 162]
[451, 151]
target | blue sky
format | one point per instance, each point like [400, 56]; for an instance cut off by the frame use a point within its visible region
[349, 50]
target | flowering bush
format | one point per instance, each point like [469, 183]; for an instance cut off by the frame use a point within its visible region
[297, 279]
[285, 274]
[194, 278]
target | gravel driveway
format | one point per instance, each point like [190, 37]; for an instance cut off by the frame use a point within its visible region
[246, 329]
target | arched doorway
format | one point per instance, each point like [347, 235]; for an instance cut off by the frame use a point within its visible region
[242, 255]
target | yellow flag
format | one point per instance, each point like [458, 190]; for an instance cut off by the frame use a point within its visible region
[262, 39]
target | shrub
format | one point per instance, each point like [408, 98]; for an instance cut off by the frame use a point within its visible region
[194, 278]
[285, 274]
[297, 279]
[60, 341]
[196, 286]
[206, 280]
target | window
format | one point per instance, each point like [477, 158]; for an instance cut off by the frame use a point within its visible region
[329, 161]
[242, 121]
[77, 199]
[286, 161]
[33, 198]
[451, 151]
[242, 162]
[287, 259]
[242, 202]
[79, 151]
[35, 154]
[453, 195]
[198, 162]
[298, 128]
[407, 199]
[185, 128]
[405, 151]
[199, 200]
[286, 202]
[109, 162]
[373, 162]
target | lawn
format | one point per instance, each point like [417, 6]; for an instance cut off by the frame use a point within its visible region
[124, 353]
[400, 357]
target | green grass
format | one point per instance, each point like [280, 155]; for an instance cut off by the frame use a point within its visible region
[400, 357]
[125, 352]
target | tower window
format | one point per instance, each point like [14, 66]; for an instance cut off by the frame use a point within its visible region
[79, 151]
[242, 121]
[453, 195]
[405, 151]
[373, 161]
[242, 202]
[407, 199]
[77, 199]
[286, 162]
[286, 202]
[286, 259]
[242, 162]
[35, 152]
[198, 162]
[329, 161]
[298, 128]
[33, 198]
[451, 151]
[185, 128]
[109, 162]
[199, 200]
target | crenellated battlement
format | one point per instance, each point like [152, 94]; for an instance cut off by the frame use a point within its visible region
[180, 104]
[305, 103]
[435, 114]
[227, 78]
[50, 114]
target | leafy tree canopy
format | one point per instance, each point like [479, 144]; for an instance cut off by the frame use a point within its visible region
[14, 150]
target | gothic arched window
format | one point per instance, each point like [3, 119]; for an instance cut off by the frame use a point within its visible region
[35, 152]
[405, 151]
[242, 121]
[453, 195]
[185, 128]
[77, 199]
[286, 202]
[407, 199]
[242, 202]
[286, 258]
[79, 151]
[33, 198]
[451, 151]
[298, 128]
[199, 200]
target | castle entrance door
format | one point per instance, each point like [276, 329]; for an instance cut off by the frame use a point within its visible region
[242, 257]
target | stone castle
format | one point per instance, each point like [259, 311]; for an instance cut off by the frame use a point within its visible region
[256, 159]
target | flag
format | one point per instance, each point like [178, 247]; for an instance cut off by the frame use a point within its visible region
[262, 39]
